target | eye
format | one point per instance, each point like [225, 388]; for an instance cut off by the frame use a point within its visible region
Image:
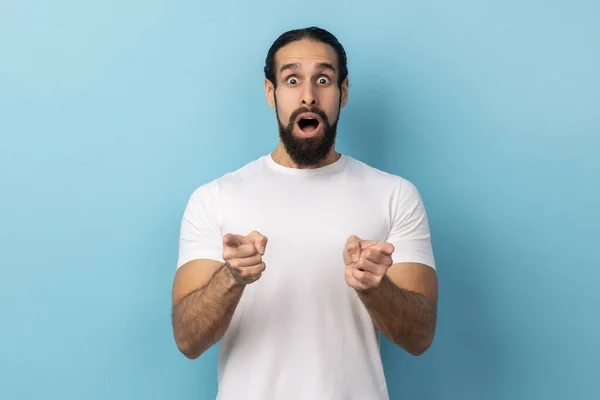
[323, 80]
[292, 80]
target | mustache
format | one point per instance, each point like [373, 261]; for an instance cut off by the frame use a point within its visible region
[313, 109]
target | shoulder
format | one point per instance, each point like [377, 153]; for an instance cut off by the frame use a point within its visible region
[398, 188]
[231, 179]
[361, 169]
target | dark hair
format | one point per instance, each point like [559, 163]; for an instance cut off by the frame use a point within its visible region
[311, 33]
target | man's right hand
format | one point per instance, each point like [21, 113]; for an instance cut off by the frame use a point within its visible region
[243, 256]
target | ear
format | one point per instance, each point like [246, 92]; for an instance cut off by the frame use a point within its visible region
[270, 93]
[344, 94]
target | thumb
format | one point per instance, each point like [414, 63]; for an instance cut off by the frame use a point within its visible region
[365, 244]
[353, 247]
[259, 240]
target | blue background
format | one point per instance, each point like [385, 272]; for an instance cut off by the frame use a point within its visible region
[113, 112]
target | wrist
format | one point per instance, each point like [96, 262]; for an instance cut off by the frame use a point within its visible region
[373, 290]
[368, 291]
[232, 282]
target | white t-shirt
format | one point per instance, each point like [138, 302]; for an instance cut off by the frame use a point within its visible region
[300, 332]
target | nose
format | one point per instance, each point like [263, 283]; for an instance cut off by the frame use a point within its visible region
[308, 95]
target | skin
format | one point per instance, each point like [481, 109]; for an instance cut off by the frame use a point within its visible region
[401, 298]
[206, 292]
[308, 83]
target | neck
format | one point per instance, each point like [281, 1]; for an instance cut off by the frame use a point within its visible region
[281, 157]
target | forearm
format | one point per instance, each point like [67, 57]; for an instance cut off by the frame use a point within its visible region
[201, 318]
[406, 318]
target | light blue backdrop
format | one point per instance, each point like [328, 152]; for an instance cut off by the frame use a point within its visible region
[112, 112]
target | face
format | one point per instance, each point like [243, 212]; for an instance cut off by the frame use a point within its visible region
[307, 99]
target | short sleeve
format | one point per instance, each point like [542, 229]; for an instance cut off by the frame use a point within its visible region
[200, 235]
[410, 232]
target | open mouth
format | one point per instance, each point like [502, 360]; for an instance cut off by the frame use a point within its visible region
[308, 125]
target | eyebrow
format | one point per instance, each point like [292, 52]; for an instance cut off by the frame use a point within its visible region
[297, 66]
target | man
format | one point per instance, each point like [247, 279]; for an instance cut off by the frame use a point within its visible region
[299, 260]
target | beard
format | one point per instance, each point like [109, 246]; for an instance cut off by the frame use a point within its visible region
[310, 151]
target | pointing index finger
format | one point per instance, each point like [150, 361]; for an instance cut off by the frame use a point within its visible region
[232, 240]
[385, 248]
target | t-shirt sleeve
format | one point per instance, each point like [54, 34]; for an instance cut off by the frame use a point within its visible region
[410, 233]
[200, 235]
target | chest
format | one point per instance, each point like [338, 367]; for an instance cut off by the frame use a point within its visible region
[307, 226]
[320, 214]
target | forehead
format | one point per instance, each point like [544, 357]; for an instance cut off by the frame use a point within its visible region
[307, 53]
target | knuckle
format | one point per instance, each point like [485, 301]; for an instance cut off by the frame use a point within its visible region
[370, 253]
[247, 250]
[227, 253]
[244, 273]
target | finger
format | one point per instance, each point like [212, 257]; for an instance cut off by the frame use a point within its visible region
[353, 247]
[259, 240]
[366, 279]
[255, 278]
[250, 272]
[371, 267]
[383, 247]
[347, 257]
[246, 262]
[366, 244]
[377, 257]
[373, 255]
[241, 251]
[386, 248]
[233, 240]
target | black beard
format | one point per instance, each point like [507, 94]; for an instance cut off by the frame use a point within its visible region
[307, 152]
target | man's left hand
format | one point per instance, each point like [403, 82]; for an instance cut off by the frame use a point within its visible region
[367, 262]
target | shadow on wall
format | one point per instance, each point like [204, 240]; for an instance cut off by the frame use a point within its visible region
[467, 356]
[364, 121]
